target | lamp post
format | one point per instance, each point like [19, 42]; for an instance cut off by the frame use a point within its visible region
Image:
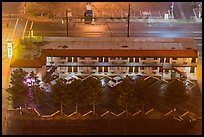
[172, 10]
[128, 34]
[67, 22]
[24, 5]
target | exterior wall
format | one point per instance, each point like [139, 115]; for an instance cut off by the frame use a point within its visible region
[64, 71]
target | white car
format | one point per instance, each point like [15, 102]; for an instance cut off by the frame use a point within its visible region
[115, 81]
[71, 79]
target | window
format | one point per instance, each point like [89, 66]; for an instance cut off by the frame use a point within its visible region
[74, 59]
[69, 69]
[124, 58]
[137, 60]
[155, 58]
[75, 69]
[136, 69]
[174, 58]
[160, 69]
[69, 59]
[105, 69]
[154, 68]
[99, 69]
[167, 60]
[130, 69]
[143, 58]
[141, 68]
[193, 60]
[192, 69]
[93, 68]
[105, 59]
[82, 58]
[62, 58]
[93, 58]
[100, 59]
[131, 60]
[112, 58]
[161, 60]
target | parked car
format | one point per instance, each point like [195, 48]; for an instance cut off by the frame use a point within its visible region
[44, 86]
[71, 79]
[115, 81]
[136, 77]
[191, 120]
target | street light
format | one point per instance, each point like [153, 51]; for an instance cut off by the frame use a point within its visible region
[172, 10]
[67, 22]
[67, 19]
[128, 34]
[24, 5]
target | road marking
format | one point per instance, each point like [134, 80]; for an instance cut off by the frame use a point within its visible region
[25, 28]
[31, 26]
[184, 114]
[137, 113]
[181, 10]
[197, 31]
[149, 111]
[197, 37]
[14, 29]
[168, 113]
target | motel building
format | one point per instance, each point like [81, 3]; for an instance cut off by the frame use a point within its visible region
[63, 56]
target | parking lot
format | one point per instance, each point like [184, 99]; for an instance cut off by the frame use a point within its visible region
[111, 113]
[157, 106]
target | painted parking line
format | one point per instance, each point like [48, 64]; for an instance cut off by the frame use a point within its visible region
[25, 29]
[14, 29]
[105, 113]
[168, 113]
[149, 111]
[177, 119]
[137, 113]
[184, 114]
[87, 113]
[31, 26]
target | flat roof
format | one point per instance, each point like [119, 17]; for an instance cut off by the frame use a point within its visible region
[117, 43]
[111, 47]
[120, 53]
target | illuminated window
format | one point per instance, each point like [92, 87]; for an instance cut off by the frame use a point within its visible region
[193, 60]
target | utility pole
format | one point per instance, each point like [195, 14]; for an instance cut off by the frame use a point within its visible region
[67, 22]
[128, 34]
[24, 7]
[172, 10]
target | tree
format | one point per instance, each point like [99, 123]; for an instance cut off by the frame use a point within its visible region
[141, 91]
[76, 93]
[59, 92]
[37, 93]
[125, 93]
[176, 92]
[18, 88]
[93, 91]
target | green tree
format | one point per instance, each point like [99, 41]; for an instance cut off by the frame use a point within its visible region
[18, 88]
[76, 93]
[59, 92]
[125, 93]
[176, 92]
[94, 93]
[37, 93]
[141, 91]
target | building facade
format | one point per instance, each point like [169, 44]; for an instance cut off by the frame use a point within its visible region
[165, 57]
